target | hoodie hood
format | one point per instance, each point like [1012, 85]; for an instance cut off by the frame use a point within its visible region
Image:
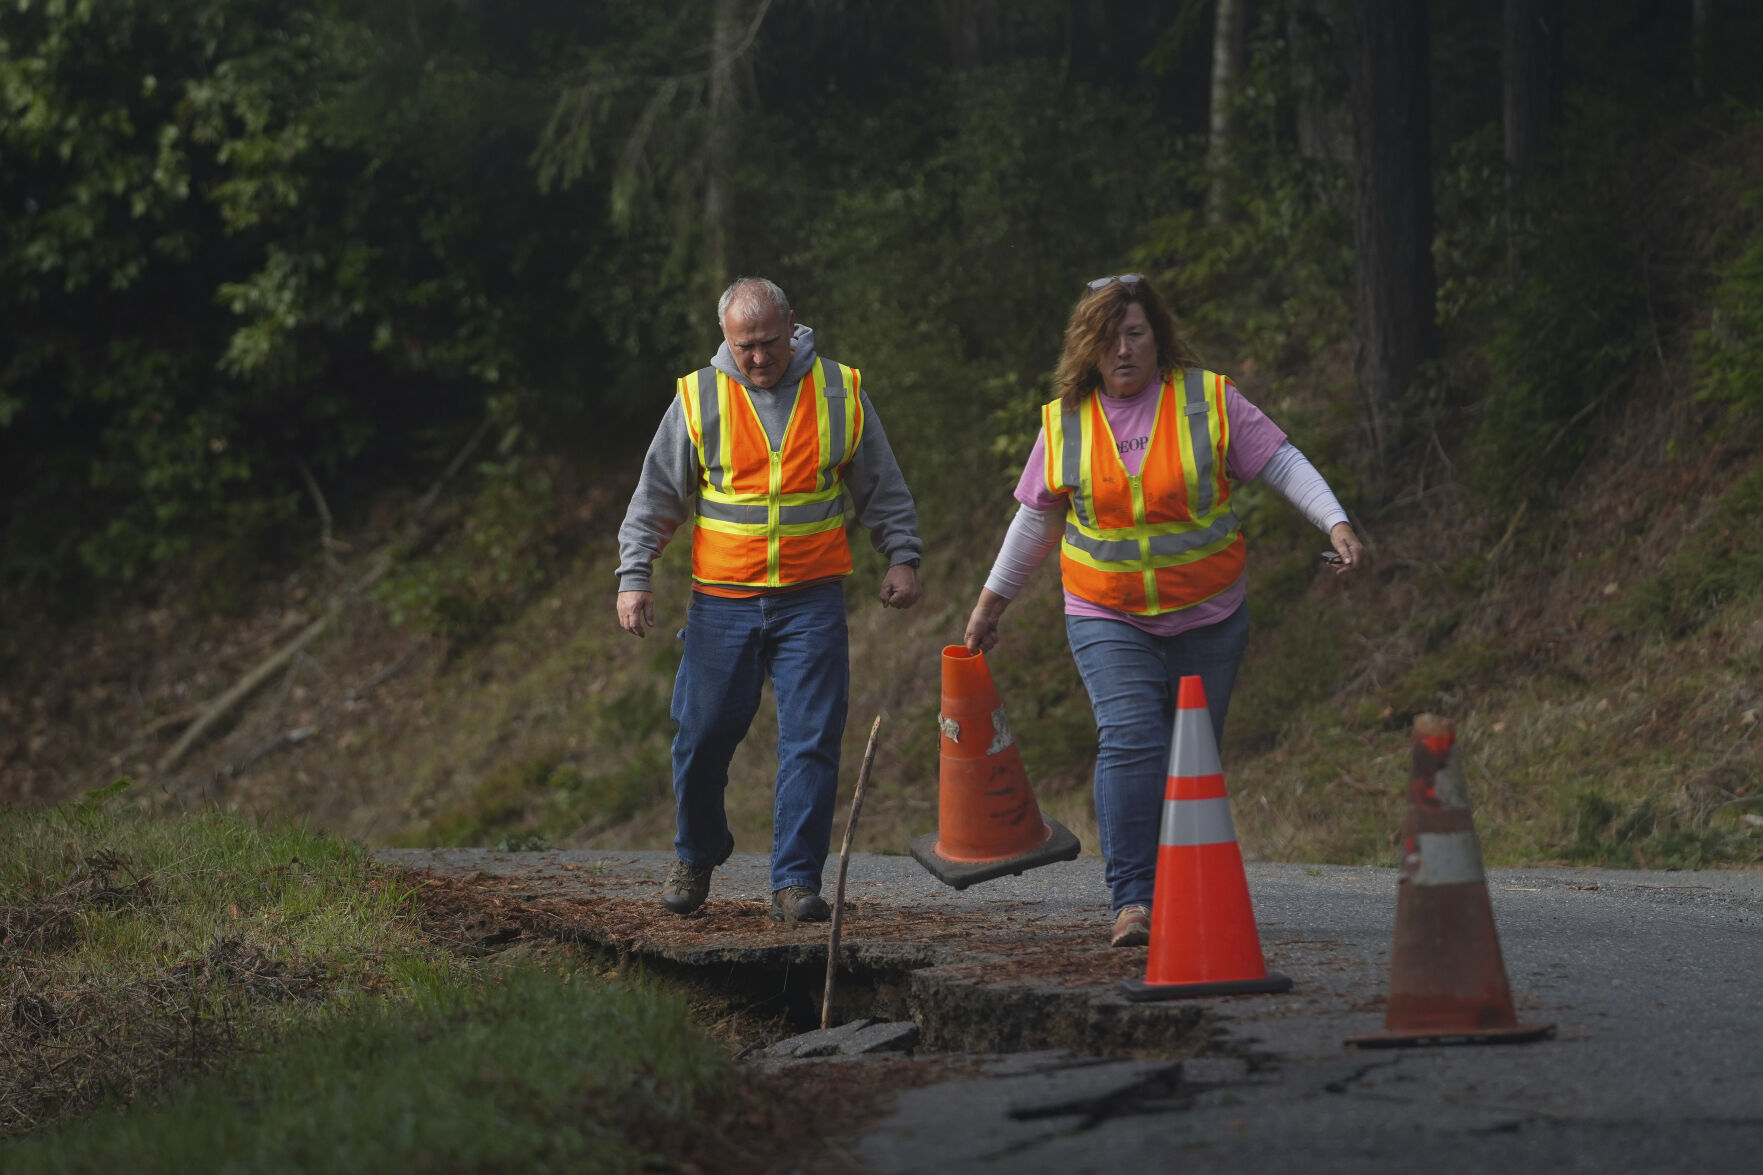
[801, 342]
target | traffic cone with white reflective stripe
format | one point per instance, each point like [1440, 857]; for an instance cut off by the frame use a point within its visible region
[1447, 978]
[1203, 936]
[988, 822]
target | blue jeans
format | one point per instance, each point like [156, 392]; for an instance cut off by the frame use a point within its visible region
[798, 640]
[1132, 678]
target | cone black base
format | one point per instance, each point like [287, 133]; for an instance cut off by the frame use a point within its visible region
[1061, 846]
[1517, 1034]
[1139, 992]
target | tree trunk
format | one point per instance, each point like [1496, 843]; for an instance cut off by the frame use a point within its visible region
[1315, 35]
[724, 38]
[1530, 56]
[1393, 213]
[1700, 15]
[1227, 54]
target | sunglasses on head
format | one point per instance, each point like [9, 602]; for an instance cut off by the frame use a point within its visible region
[1125, 279]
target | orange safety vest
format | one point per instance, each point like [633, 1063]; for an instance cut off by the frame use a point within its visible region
[1165, 538]
[771, 518]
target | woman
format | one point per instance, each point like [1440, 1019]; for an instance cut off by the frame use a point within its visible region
[1131, 478]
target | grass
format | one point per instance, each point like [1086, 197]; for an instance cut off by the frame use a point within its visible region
[528, 803]
[137, 949]
[533, 1073]
[1719, 564]
[1659, 767]
[201, 993]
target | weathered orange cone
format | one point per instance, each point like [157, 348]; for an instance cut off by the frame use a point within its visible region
[988, 823]
[1203, 936]
[1447, 979]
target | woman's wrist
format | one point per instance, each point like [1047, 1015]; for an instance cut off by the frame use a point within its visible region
[991, 605]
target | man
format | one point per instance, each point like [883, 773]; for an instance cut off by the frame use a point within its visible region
[761, 450]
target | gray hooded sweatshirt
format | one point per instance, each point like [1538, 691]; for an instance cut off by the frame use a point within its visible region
[668, 487]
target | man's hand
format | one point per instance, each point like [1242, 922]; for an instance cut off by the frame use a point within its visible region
[982, 625]
[900, 587]
[1348, 547]
[636, 612]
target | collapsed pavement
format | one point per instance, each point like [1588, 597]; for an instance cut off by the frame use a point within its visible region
[1649, 975]
[1002, 968]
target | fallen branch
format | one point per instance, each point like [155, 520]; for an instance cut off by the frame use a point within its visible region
[453, 467]
[166, 722]
[382, 563]
[326, 543]
[1511, 529]
[300, 734]
[404, 659]
[832, 950]
[224, 704]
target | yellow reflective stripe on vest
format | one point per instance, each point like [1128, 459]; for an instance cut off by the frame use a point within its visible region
[838, 420]
[1192, 447]
[1068, 459]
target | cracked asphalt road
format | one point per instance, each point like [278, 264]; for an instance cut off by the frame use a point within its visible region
[1652, 980]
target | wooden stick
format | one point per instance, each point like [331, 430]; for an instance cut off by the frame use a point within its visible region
[832, 950]
[223, 705]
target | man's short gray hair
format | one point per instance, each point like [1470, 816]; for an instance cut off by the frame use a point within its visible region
[754, 291]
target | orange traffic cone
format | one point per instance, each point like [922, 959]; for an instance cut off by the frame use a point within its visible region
[987, 819]
[1203, 937]
[1447, 979]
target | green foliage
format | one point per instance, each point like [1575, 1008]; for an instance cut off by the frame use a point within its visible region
[498, 805]
[1550, 282]
[1716, 567]
[203, 871]
[98, 799]
[1729, 349]
[115, 179]
[142, 947]
[145, 950]
[1273, 278]
[1442, 681]
[949, 257]
[533, 1072]
[532, 801]
[1268, 271]
[1303, 667]
[503, 552]
[241, 236]
[1609, 831]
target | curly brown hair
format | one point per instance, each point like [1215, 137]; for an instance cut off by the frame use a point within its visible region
[1094, 322]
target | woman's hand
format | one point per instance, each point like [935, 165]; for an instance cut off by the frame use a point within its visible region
[982, 625]
[1347, 546]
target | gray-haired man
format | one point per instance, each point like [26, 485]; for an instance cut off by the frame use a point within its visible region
[767, 451]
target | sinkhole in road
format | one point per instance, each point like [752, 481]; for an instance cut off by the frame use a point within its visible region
[1010, 980]
[958, 1005]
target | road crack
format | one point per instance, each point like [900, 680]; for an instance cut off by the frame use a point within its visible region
[1343, 1084]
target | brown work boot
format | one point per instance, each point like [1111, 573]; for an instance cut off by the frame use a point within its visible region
[1132, 927]
[688, 885]
[798, 903]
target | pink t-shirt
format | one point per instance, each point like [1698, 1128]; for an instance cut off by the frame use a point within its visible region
[1253, 441]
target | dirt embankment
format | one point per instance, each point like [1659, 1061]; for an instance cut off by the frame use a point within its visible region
[541, 724]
